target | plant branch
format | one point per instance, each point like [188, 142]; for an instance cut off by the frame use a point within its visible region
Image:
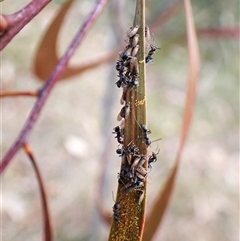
[48, 86]
[19, 93]
[48, 50]
[16, 21]
[48, 234]
[215, 33]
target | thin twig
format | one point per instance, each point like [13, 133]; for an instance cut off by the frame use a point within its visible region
[18, 20]
[19, 93]
[48, 233]
[48, 86]
[215, 33]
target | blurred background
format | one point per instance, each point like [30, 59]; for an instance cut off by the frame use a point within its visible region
[75, 126]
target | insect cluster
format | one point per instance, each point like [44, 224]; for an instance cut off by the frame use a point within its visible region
[134, 169]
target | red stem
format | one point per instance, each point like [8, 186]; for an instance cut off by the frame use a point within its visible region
[47, 87]
[48, 233]
[220, 32]
[18, 20]
[18, 93]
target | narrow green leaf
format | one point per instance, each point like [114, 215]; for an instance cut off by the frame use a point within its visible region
[132, 215]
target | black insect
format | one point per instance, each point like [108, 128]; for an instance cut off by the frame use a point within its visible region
[133, 186]
[119, 83]
[146, 131]
[123, 80]
[120, 66]
[150, 53]
[119, 134]
[120, 151]
[128, 150]
[125, 55]
[131, 150]
[152, 158]
[116, 208]
[124, 176]
[132, 83]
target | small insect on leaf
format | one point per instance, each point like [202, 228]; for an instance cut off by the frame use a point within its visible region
[135, 162]
[150, 53]
[119, 134]
[135, 51]
[124, 112]
[141, 170]
[124, 55]
[132, 31]
[134, 68]
[134, 40]
[146, 131]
